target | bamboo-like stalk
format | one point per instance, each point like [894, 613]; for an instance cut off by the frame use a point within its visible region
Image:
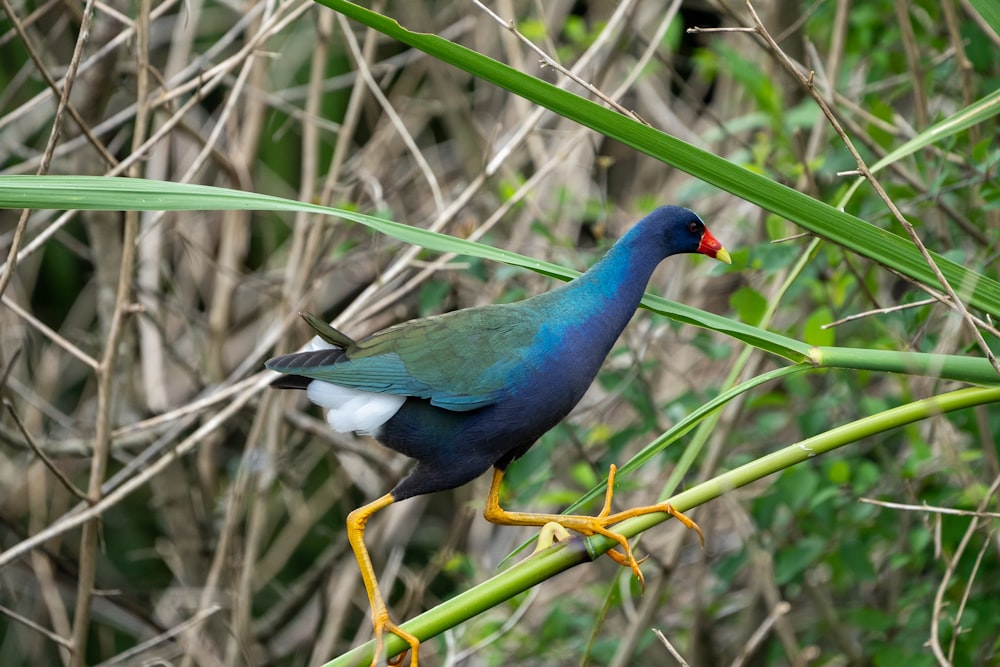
[562, 557]
[975, 370]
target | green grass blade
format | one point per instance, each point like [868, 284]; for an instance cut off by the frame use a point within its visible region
[820, 218]
[133, 194]
[990, 11]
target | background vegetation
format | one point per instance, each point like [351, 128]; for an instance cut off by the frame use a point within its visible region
[132, 343]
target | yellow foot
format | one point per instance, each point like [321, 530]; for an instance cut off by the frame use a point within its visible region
[382, 625]
[600, 523]
[584, 525]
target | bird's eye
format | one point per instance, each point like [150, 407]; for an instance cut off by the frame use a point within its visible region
[693, 227]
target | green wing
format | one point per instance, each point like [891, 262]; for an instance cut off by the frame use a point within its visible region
[460, 361]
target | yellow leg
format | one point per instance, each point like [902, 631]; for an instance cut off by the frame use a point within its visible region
[356, 521]
[585, 525]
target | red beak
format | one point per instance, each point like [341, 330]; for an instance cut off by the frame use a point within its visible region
[710, 246]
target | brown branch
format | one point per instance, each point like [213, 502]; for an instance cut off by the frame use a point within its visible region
[878, 311]
[60, 475]
[931, 508]
[106, 370]
[27, 622]
[935, 639]
[549, 61]
[912, 52]
[779, 610]
[56, 130]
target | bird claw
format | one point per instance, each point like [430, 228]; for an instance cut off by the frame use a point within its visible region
[558, 526]
[622, 559]
[382, 625]
[599, 525]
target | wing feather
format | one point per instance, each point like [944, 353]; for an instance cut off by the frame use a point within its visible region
[460, 361]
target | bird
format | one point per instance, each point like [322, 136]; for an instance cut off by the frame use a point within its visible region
[472, 389]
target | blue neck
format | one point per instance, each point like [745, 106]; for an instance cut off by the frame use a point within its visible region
[610, 291]
[592, 310]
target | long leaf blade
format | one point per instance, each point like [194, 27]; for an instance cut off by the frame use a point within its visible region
[121, 194]
[841, 228]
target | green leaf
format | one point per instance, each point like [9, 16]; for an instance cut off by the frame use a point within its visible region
[813, 330]
[791, 562]
[135, 194]
[990, 11]
[839, 472]
[748, 304]
[797, 486]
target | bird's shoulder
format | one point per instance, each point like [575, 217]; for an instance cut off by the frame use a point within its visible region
[460, 360]
[480, 332]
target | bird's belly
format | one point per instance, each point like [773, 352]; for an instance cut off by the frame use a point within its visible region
[502, 431]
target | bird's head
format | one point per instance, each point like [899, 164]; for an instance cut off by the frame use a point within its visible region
[681, 230]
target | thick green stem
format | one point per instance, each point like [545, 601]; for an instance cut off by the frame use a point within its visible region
[550, 562]
[975, 370]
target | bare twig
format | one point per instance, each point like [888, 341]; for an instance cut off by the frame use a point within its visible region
[46, 331]
[931, 508]
[670, 648]
[390, 112]
[549, 61]
[983, 24]
[956, 624]
[54, 132]
[696, 30]
[53, 468]
[127, 657]
[27, 622]
[539, 175]
[105, 376]
[938, 606]
[77, 518]
[986, 325]
[37, 58]
[913, 56]
[761, 632]
[878, 311]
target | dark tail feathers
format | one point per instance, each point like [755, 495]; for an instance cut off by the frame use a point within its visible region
[291, 382]
[291, 364]
[301, 362]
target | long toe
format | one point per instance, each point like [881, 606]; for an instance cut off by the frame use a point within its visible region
[384, 625]
[688, 523]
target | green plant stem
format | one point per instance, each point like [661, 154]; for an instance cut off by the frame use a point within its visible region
[563, 556]
[975, 370]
